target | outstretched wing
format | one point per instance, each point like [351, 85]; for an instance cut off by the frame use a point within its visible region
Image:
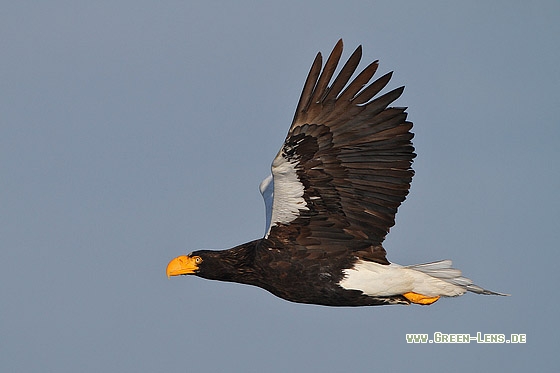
[345, 166]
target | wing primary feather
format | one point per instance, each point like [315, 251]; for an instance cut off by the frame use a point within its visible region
[372, 89]
[328, 72]
[309, 86]
[357, 84]
[380, 104]
[344, 75]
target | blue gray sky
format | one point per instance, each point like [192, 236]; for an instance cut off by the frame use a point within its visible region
[135, 131]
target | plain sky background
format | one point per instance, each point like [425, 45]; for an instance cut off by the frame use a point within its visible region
[132, 132]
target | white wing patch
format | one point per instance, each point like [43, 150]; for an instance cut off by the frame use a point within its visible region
[267, 190]
[286, 191]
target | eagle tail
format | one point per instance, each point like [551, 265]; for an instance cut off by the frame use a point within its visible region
[443, 270]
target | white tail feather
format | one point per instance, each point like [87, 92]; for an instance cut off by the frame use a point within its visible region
[443, 270]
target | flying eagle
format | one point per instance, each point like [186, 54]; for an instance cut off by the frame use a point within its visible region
[336, 185]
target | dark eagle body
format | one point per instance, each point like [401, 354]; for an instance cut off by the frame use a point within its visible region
[336, 185]
[295, 275]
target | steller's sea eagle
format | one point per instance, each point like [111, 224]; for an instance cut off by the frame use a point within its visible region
[336, 185]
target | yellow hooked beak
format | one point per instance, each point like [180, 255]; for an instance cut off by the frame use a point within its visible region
[183, 265]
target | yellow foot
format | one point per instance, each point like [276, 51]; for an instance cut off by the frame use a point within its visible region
[420, 299]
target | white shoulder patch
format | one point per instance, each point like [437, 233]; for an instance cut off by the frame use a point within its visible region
[287, 192]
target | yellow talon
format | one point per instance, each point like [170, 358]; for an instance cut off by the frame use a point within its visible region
[420, 299]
